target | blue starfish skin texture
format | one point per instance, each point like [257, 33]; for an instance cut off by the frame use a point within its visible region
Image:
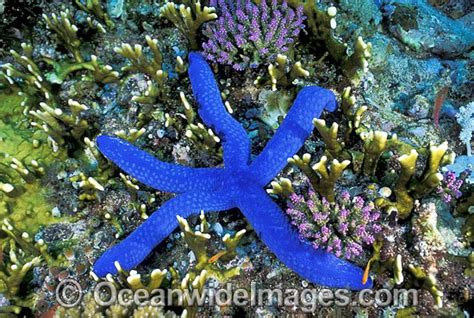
[240, 184]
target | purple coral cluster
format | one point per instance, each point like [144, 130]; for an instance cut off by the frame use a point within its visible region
[247, 34]
[450, 187]
[342, 228]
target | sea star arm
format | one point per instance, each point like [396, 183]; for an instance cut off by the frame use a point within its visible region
[315, 265]
[292, 133]
[153, 172]
[235, 142]
[132, 251]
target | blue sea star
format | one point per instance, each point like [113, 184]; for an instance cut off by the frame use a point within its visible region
[239, 184]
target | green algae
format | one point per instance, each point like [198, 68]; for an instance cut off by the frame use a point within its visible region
[29, 209]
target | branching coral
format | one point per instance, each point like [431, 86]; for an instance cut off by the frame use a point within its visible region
[449, 189]
[247, 35]
[322, 179]
[342, 228]
[95, 7]
[408, 188]
[54, 120]
[36, 86]
[321, 24]
[66, 31]
[20, 254]
[88, 185]
[198, 273]
[27, 75]
[366, 156]
[281, 74]
[203, 137]
[150, 67]
[428, 282]
[282, 186]
[198, 242]
[188, 18]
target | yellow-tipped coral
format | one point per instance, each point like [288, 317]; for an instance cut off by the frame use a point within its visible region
[428, 282]
[150, 67]
[408, 188]
[203, 137]
[198, 241]
[322, 24]
[322, 179]
[95, 7]
[282, 186]
[66, 31]
[188, 18]
[282, 74]
[89, 187]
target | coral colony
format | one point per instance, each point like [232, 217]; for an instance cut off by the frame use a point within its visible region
[449, 189]
[238, 184]
[247, 35]
[343, 228]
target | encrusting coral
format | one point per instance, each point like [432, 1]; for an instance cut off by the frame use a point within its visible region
[230, 185]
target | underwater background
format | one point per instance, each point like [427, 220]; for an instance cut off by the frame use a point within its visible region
[376, 193]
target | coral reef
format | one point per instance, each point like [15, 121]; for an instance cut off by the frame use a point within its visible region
[368, 155]
[227, 191]
[374, 183]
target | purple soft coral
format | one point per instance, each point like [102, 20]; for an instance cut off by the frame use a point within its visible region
[240, 184]
[247, 34]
